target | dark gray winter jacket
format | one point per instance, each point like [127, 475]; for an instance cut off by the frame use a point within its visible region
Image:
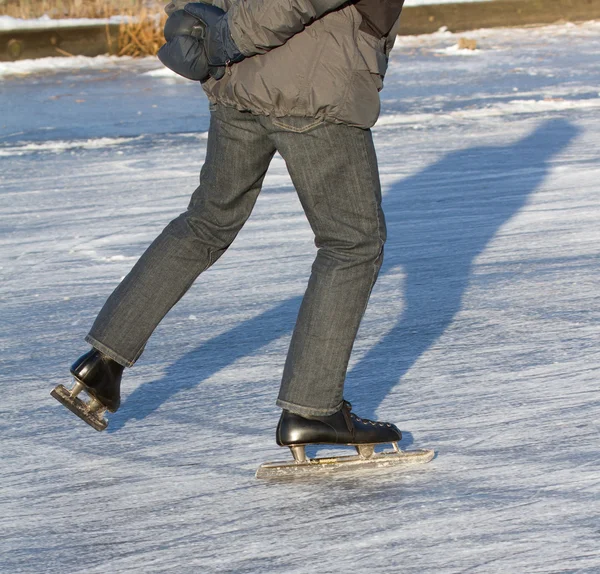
[310, 58]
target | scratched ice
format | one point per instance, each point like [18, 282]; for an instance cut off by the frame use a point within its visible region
[481, 341]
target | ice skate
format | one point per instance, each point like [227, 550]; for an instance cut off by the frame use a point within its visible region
[100, 378]
[340, 428]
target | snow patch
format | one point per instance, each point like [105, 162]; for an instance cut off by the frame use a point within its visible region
[8, 23]
[162, 73]
[513, 107]
[590, 28]
[60, 146]
[118, 258]
[198, 136]
[456, 50]
[26, 67]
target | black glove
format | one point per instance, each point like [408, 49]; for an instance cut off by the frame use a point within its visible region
[220, 48]
[184, 52]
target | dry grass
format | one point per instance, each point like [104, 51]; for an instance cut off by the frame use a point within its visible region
[141, 35]
[467, 44]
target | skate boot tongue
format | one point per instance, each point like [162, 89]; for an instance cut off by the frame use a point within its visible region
[354, 417]
[367, 431]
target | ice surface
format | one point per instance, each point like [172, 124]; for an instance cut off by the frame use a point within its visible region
[481, 340]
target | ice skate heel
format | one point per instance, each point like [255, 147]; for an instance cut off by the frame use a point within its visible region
[91, 412]
[298, 452]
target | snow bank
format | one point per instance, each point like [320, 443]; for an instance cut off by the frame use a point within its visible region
[40, 65]
[590, 28]
[514, 107]
[162, 73]
[10, 23]
[59, 146]
[456, 50]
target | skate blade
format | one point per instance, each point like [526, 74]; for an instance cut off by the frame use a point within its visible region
[326, 465]
[80, 408]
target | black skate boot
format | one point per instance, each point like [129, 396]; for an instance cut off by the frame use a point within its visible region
[100, 377]
[342, 427]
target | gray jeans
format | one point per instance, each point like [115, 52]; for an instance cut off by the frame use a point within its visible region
[334, 170]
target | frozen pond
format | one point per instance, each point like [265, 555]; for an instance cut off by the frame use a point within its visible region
[481, 339]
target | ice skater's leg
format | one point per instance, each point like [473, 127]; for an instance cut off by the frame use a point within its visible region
[238, 155]
[334, 170]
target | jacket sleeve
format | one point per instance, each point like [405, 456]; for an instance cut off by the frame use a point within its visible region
[258, 26]
[225, 5]
[391, 39]
[180, 4]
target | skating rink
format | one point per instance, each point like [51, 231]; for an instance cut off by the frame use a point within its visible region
[480, 341]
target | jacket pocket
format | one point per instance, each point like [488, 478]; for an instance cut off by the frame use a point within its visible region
[372, 51]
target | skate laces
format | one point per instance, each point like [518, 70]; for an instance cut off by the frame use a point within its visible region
[348, 407]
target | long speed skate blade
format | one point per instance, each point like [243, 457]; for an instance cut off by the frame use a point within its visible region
[339, 463]
[78, 407]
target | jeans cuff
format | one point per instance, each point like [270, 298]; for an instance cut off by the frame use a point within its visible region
[108, 352]
[307, 411]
